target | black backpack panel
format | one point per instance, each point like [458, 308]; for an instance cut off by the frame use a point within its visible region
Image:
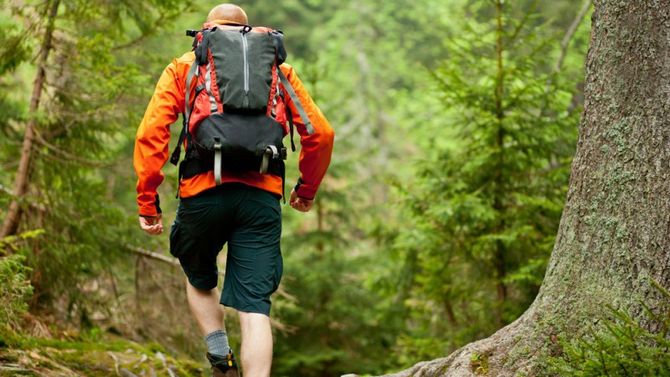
[244, 62]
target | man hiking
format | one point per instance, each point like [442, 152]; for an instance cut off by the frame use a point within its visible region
[232, 177]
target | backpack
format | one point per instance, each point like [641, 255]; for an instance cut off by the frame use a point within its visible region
[239, 116]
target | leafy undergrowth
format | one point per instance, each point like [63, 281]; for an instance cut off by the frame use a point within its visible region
[75, 355]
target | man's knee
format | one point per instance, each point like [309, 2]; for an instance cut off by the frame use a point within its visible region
[201, 282]
[199, 289]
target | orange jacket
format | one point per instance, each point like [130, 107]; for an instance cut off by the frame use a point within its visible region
[153, 136]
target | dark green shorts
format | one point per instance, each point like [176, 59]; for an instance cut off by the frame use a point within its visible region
[249, 220]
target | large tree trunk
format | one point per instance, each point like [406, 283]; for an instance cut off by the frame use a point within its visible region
[614, 236]
[13, 217]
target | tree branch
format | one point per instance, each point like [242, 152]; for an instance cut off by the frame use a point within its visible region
[153, 255]
[565, 43]
[567, 38]
[68, 157]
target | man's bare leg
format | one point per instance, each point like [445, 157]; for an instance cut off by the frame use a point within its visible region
[205, 307]
[256, 344]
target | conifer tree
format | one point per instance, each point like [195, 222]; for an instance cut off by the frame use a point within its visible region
[486, 207]
[86, 79]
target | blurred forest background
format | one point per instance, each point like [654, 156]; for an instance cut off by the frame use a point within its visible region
[455, 126]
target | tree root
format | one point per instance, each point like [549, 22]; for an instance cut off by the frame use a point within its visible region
[498, 355]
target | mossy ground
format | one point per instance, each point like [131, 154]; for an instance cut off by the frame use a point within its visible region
[84, 355]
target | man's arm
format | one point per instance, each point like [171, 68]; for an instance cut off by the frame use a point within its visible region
[153, 136]
[317, 147]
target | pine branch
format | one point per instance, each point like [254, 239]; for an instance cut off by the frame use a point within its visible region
[68, 157]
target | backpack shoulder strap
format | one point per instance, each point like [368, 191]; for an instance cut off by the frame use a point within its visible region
[176, 153]
[296, 101]
[192, 72]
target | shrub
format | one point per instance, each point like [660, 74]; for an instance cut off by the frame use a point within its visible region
[15, 289]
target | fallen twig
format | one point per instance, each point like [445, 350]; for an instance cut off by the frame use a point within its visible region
[13, 368]
[162, 358]
[116, 363]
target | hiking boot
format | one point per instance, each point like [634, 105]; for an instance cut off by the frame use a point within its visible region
[223, 366]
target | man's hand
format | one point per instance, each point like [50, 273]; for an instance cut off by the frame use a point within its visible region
[300, 204]
[152, 225]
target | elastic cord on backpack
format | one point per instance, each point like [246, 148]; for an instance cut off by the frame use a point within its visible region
[289, 118]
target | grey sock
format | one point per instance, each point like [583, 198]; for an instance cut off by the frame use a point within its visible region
[217, 343]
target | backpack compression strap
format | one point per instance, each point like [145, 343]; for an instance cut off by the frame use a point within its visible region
[296, 101]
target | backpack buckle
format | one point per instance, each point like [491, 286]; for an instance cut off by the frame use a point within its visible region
[271, 152]
[217, 161]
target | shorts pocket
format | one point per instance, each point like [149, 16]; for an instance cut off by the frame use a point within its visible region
[175, 247]
[279, 271]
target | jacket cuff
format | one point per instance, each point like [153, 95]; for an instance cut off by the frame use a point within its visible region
[304, 190]
[151, 209]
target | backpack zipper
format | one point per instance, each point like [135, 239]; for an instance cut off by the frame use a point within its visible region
[245, 47]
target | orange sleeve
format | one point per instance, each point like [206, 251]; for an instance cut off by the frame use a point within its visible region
[317, 147]
[153, 136]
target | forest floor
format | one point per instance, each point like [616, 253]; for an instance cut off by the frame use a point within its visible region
[68, 354]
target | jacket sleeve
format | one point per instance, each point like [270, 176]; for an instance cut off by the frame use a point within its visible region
[153, 136]
[317, 147]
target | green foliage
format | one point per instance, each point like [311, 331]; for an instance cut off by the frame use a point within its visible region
[479, 364]
[485, 207]
[620, 346]
[10, 244]
[15, 289]
[332, 321]
[338, 318]
[392, 248]
[93, 78]
[14, 49]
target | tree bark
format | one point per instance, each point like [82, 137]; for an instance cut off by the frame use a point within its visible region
[13, 217]
[614, 236]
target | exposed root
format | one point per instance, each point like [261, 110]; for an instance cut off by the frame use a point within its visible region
[496, 350]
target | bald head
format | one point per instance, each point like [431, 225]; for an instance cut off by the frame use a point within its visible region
[228, 13]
